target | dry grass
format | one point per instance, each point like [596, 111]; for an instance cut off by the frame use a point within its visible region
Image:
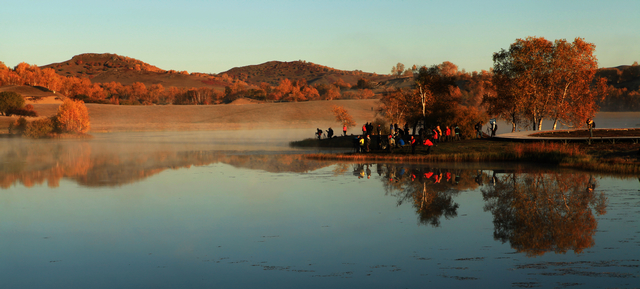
[312, 114]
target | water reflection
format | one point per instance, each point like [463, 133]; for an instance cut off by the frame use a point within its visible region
[94, 165]
[338, 225]
[536, 212]
[543, 212]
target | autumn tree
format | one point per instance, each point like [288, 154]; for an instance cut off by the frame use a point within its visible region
[343, 116]
[72, 117]
[10, 100]
[539, 79]
[433, 91]
[397, 70]
[328, 91]
[394, 104]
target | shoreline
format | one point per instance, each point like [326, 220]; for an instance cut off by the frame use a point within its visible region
[621, 158]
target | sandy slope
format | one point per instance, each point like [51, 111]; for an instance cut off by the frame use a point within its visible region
[112, 118]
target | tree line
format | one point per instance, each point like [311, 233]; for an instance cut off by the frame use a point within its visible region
[533, 80]
[140, 94]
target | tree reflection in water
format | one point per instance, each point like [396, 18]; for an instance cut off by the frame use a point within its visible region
[542, 212]
[431, 191]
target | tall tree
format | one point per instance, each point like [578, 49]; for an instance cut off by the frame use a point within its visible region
[433, 93]
[394, 105]
[538, 79]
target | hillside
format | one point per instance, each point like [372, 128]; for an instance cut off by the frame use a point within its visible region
[624, 76]
[299, 115]
[274, 71]
[33, 94]
[104, 68]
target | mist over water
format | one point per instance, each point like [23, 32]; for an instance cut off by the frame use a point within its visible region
[237, 209]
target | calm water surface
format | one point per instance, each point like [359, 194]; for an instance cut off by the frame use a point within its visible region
[191, 211]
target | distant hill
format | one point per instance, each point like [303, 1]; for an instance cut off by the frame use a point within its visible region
[624, 76]
[106, 67]
[273, 71]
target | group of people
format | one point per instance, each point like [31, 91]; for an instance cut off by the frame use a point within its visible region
[329, 133]
[401, 136]
[493, 128]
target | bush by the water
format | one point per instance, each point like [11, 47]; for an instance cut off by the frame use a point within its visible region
[72, 117]
[40, 128]
[18, 126]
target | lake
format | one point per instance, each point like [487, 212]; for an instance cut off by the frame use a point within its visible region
[232, 209]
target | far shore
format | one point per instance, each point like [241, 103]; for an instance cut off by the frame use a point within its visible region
[250, 116]
[295, 115]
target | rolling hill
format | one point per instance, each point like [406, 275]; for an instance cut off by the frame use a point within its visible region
[104, 68]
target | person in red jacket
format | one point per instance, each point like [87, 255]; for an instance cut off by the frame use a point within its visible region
[413, 145]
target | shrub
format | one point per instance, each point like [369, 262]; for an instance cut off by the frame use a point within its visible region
[22, 112]
[18, 126]
[72, 117]
[10, 100]
[39, 128]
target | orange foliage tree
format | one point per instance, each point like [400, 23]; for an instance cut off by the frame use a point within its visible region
[541, 79]
[343, 116]
[73, 117]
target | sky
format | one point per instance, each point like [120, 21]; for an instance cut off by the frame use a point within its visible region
[371, 36]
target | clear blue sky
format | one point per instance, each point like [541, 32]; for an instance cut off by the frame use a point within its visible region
[372, 36]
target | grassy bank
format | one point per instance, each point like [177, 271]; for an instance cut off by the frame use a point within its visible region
[602, 157]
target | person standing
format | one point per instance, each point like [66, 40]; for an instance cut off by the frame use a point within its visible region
[368, 142]
[344, 130]
[457, 131]
[478, 130]
[447, 134]
[590, 125]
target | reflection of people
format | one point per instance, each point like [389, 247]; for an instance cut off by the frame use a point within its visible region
[479, 178]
